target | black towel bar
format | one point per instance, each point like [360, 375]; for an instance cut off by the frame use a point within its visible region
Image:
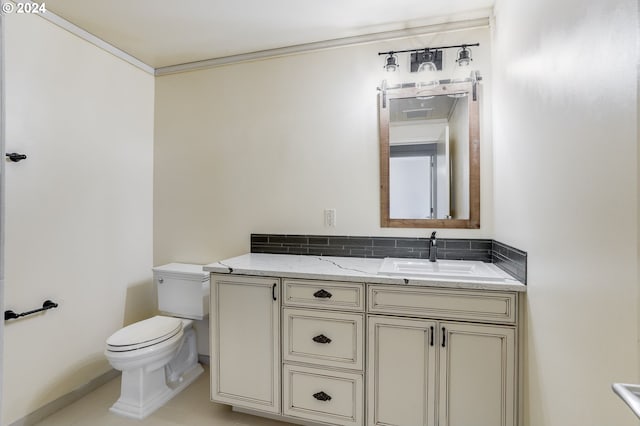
[48, 304]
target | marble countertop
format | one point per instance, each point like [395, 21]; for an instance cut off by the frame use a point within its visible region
[354, 269]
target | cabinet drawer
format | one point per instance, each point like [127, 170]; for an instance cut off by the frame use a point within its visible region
[328, 338]
[325, 396]
[484, 306]
[326, 294]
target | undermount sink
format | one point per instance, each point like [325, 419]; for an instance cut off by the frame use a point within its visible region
[446, 269]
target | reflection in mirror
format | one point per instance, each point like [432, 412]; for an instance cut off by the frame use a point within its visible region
[429, 157]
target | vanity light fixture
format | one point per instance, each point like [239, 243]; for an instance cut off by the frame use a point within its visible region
[430, 57]
[392, 63]
[464, 56]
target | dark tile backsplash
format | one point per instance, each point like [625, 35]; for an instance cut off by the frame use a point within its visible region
[510, 259]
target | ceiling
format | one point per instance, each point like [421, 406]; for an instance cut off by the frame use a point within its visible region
[411, 109]
[163, 33]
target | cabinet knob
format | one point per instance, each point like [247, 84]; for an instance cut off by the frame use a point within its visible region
[321, 396]
[321, 338]
[160, 280]
[322, 294]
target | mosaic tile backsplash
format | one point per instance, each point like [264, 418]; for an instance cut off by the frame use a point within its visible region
[509, 259]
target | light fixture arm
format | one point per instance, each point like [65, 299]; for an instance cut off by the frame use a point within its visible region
[391, 52]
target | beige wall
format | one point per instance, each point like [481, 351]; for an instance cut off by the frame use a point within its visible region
[78, 210]
[566, 191]
[265, 146]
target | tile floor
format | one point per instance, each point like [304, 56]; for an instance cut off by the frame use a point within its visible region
[190, 407]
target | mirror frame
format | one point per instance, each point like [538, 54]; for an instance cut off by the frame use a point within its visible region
[384, 98]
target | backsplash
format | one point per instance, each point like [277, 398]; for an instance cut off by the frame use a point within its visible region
[511, 260]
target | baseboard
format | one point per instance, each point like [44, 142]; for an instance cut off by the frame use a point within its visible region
[67, 399]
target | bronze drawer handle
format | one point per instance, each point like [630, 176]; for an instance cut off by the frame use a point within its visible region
[321, 338]
[321, 396]
[322, 294]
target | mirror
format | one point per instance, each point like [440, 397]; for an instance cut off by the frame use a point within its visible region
[430, 156]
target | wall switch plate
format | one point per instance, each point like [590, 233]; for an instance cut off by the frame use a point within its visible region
[330, 218]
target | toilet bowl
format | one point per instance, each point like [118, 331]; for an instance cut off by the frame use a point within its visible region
[158, 356]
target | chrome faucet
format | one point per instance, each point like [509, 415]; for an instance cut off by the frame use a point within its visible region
[433, 249]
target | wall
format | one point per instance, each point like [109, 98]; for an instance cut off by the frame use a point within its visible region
[266, 146]
[78, 210]
[566, 191]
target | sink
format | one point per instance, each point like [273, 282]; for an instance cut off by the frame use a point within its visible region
[445, 269]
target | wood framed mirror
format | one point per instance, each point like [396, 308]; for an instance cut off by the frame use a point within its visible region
[430, 156]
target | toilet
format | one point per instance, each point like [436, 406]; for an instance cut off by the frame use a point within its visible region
[158, 356]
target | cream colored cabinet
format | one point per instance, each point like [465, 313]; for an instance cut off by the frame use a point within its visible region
[354, 354]
[245, 342]
[323, 351]
[437, 373]
[401, 371]
[477, 372]
[318, 394]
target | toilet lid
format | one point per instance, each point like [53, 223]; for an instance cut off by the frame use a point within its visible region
[144, 333]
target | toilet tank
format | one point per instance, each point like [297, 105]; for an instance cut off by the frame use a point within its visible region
[183, 290]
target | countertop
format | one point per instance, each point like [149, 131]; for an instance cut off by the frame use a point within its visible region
[354, 269]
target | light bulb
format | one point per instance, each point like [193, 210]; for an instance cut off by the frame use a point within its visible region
[391, 64]
[427, 76]
[464, 57]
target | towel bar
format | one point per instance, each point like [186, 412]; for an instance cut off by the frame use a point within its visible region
[48, 304]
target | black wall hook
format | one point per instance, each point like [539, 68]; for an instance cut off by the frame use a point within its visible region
[48, 304]
[15, 157]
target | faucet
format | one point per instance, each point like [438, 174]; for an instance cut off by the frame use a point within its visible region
[433, 250]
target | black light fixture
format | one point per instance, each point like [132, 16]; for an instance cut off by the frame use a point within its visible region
[430, 56]
[464, 56]
[392, 63]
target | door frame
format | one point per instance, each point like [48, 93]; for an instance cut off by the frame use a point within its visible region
[2, 196]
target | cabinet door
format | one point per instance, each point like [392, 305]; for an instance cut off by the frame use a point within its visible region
[401, 372]
[477, 375]
[245, 339]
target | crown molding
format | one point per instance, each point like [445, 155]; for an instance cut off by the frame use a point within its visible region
[322, 45]
[466, 24]
[96, 41]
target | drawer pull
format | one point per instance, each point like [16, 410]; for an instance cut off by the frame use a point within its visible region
[321, 339]
[322, 294]
[321, 396]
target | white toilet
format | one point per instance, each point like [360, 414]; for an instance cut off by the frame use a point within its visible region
[158, 356]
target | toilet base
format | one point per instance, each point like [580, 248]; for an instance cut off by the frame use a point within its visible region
[140, 398]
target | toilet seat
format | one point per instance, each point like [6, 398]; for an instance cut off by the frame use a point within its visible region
[144, 334]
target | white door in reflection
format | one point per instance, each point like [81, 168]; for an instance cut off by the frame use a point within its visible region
[410, 184]
[419, 179]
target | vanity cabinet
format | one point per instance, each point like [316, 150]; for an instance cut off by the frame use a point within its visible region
[245, 341]
[438, 372]
[323, 351]
[355, 354]
[477, 375]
